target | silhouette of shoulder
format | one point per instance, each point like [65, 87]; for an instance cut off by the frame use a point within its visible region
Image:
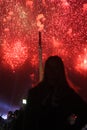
[38, 93]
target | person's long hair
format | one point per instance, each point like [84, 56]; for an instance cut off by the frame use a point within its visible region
[54, 71]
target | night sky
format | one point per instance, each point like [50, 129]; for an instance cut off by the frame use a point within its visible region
[63, 25]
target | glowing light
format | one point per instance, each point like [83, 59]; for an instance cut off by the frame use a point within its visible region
[40, 19]
[29, 3]
[82, 62]
[56, 43]
[4, 117]
[24, 101]
[34, 61]
[64, 25]
[15, 54]
[65, 3]
[84, 7]
[69, 32]
[44, 2]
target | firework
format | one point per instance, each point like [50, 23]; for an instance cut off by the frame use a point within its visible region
[63, 24]
[15, 54]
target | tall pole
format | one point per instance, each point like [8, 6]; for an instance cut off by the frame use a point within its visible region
[40, 58]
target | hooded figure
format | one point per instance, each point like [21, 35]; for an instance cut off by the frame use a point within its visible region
[52, 104]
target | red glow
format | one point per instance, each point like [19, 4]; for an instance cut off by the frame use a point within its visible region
[34, 61]
[40, 19]
[85, 7]
[63, 24]
[65, 3]
[29, 3]
[82, 62]
[14, 54]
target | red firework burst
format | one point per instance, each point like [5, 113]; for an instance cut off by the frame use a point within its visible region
[14, 54]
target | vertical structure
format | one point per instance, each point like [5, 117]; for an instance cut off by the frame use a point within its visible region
[40, 59]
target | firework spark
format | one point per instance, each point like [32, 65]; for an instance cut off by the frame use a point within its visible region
[15, 55]
[82, 62]
[64, 25]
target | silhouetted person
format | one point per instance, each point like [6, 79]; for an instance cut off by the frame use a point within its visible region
[52, 104]
[2, 123]
[18, 123]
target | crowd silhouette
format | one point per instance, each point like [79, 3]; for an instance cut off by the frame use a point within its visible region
[52, 103]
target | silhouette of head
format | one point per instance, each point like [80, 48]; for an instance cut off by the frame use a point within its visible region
[9, 115]
[54, 70]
